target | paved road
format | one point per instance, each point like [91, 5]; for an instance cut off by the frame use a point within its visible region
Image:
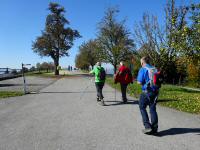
[66, 116]
[33, 84]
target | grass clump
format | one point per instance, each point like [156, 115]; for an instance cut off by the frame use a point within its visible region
[5, 94]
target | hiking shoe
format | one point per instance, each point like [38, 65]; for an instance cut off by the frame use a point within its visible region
[147, 131]
[98, 99]
[124, 100]
[154, 131]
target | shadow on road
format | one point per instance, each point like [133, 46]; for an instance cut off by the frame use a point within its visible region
[8, 85]
[175, 131]
[73, 92]
[115, 103]
[68, 92]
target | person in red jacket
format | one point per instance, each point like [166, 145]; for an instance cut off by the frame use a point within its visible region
[124, 77]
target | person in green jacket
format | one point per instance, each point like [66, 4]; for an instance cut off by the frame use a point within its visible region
[100, 75]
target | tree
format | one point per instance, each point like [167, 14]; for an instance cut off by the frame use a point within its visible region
[89, 52]
[114, 39]
[56, 39]
[38, 66]
[158, 43]
[187, 42]
[81, 62]
[152, 42]
[32, 68]
[45, 66]
[149, 38]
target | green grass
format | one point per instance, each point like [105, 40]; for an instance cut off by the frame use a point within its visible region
[169, 96]
[40, 74]
[180, 99]
[5, 94]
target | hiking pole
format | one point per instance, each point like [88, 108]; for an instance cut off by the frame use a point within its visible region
[83, 92]
[23, 75]
[115, 93]
[115, 88]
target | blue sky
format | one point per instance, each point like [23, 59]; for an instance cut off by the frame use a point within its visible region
[23, 20]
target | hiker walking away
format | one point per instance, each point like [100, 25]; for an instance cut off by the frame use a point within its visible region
[124, 77]
[100, 76]
[148, 77]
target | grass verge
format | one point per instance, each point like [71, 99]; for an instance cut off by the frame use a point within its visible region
[46, 74]
[171, 96]
[5, 94]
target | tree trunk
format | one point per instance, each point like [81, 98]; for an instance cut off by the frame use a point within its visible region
[180, 80]
[56, 63]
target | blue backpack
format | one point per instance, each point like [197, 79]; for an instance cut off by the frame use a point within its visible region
[156, 79]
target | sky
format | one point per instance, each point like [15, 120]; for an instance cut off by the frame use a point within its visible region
[21, 21]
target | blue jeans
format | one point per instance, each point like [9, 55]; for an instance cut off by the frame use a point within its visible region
[149, 99]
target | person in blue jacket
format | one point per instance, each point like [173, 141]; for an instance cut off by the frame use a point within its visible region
[148, 97]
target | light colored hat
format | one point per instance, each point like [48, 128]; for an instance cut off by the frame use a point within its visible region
[98, 63]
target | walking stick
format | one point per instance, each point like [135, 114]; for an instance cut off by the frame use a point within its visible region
[83, 92]
[115, 88]
[115, 93]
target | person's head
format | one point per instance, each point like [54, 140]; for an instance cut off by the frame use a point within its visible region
[121, 63]
[144, 60]
[98, 63]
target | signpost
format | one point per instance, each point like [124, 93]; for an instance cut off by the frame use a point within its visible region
[23, 75]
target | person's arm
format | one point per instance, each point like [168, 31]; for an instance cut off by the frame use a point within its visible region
[120, 71]
[92, 72]
[140, 77]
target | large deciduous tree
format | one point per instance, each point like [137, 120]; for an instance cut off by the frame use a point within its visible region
[114, 39]
[88, 54]
[187, 42]
[56, 39]
[158, 42]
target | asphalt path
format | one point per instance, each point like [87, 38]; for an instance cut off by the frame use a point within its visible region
[66, 116]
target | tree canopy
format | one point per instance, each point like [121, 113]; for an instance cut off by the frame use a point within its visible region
[88, 54]
[56, 38]
[114, 39]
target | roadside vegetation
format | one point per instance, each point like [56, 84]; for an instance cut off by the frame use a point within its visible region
[50, 74]
[172, 96]
[172, 46]
[40, 74]
[5, 94]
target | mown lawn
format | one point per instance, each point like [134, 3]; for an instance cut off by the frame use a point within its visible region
[5, 94]
[40, 74]
[49, 74]
[171, 96]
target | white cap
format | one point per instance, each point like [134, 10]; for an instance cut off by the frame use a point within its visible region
[121, 63]
[98, 63]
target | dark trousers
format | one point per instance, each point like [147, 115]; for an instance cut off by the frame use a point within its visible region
[149, 99]
[99, 87]
[123, 90]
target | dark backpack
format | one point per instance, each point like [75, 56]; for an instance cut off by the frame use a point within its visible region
[128, 77]
[102, 74]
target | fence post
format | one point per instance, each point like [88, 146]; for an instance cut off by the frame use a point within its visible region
[23, 75]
